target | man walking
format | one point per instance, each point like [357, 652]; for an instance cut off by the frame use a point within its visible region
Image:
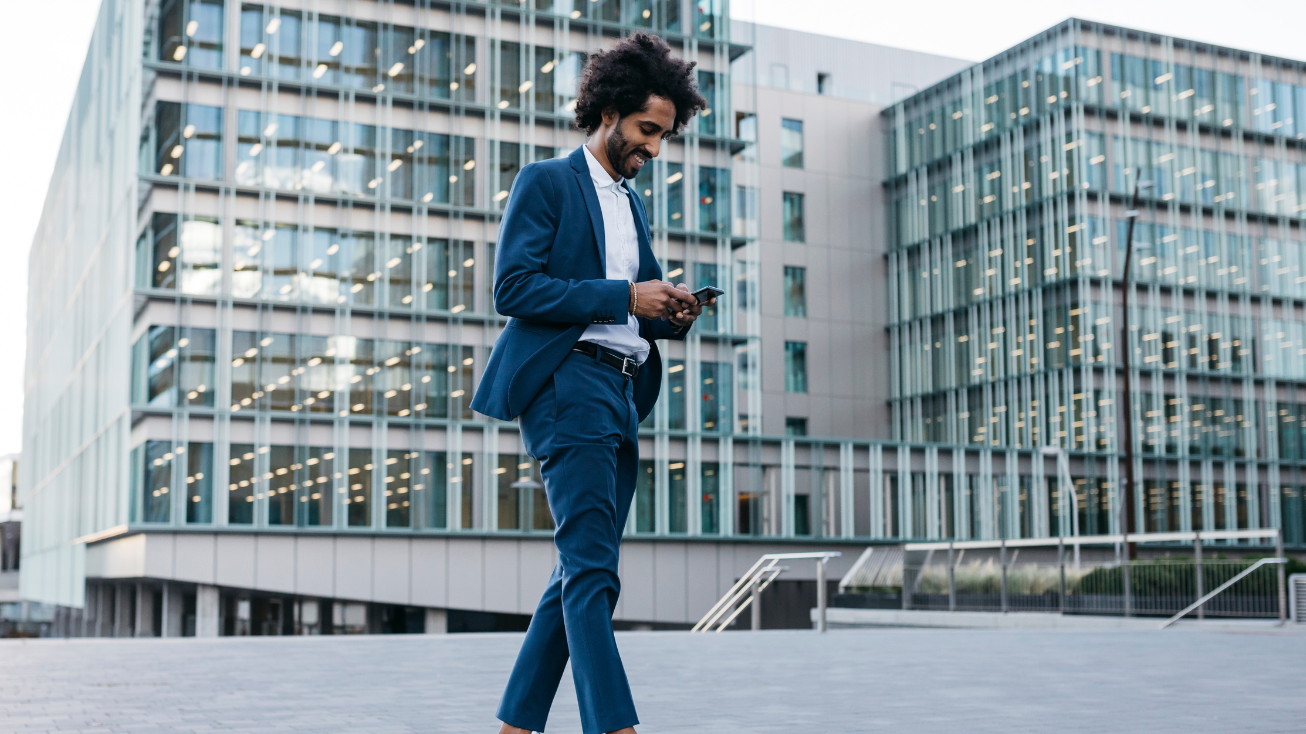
[577, 363]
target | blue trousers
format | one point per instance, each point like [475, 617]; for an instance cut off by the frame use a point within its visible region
[582, 427]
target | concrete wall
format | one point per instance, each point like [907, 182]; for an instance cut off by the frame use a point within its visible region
[663, 580]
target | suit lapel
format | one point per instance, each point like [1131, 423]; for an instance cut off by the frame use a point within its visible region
[582, 169]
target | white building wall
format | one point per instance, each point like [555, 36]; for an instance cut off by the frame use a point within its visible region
[76, 421]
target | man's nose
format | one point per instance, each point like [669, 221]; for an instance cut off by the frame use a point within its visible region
[654, 147]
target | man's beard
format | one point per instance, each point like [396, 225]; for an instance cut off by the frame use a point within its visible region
[619, 153]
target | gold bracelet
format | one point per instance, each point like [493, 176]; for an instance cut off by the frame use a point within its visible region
[634, 297]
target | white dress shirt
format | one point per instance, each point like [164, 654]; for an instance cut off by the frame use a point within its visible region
[622, 254]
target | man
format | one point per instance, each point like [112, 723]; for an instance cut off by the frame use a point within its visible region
[577, 363]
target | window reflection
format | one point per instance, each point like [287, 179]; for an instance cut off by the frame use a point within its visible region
[242, 480]
[174, 366]
[713, 199]
[190, 33]
[358, 498]
[187, 141]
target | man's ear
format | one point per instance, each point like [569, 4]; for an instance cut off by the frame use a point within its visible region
[610, 116]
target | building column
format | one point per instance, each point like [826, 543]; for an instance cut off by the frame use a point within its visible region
[174, 611]
[122, 611]
[437, 621]
[206, 611]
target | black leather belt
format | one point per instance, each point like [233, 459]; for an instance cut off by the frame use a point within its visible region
[621, 363]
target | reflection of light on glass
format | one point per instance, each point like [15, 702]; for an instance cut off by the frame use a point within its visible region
[428, 197]
[273, 25]
[191, 27]
[335, 148]
[647, 13]
[470, 69]
[468, 262]
[179, 54]
[469, 165]
[319, 71]
[257, 51]
[176, 151]
[500, 196]
[548, 67]
[453, 179]
[333, 249]
[270, 130]
[453, 85]
[395, 164]
[378, 88]
[336, 48]
[575, 14]
[394, 70]
[525, 86]
[255, 150]
[188, 132]
[675, 177]
[503, 105]
[166, 170]
[244, 71]
[319, 166]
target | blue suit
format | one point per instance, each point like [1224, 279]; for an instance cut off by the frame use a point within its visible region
[580, 419]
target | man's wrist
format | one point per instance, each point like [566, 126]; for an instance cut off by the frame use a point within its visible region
[634, 297]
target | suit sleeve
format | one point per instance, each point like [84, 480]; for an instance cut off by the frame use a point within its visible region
[521, 288]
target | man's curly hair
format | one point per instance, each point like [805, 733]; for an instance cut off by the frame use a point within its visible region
[624, 77]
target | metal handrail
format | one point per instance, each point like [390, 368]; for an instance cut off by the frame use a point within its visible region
[1189, 536]
[1220, 588]
[747, 590]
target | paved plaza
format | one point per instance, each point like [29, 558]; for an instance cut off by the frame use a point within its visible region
[882, 680]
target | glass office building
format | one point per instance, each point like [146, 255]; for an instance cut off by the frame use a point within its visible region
[260, 302]
[1010, 187]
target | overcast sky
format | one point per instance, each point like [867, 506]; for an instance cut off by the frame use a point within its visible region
[38, 87]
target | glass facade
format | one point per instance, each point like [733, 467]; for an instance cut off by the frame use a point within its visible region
[285, 332]
[1009, 185]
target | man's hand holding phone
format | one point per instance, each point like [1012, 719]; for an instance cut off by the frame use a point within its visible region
[656, 299]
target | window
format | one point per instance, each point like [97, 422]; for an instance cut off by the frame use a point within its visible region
[182, 258]
[174, 366]
[717, 391]
[796, 367]
[710, 510]
[793, 217]
[677, 498]
[746, 126]
[713, 199]
[645, 508]
[795, 291]
[745, 224]
[187, 141]
[240, 497]
[156, 499]
[824, 83]
[791, 143]
[676, 395]
[705, 274]
[358, 500]
[190, 32]
[795, 426]
[712, 87]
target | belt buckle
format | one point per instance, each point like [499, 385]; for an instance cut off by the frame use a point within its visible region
[633, 367]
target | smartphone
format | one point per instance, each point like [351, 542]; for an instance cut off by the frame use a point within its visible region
[708, 292]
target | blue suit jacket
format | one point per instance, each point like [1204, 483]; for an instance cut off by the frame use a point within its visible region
[550, 278]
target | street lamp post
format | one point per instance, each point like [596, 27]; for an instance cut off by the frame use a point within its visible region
[1126, 495]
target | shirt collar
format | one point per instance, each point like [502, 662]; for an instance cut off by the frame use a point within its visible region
[599, 174]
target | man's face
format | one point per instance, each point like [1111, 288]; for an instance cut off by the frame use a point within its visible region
[637, 138]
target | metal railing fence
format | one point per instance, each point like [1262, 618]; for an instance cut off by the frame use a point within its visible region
[935, 577]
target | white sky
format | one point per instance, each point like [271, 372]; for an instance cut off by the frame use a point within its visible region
[38, 87]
